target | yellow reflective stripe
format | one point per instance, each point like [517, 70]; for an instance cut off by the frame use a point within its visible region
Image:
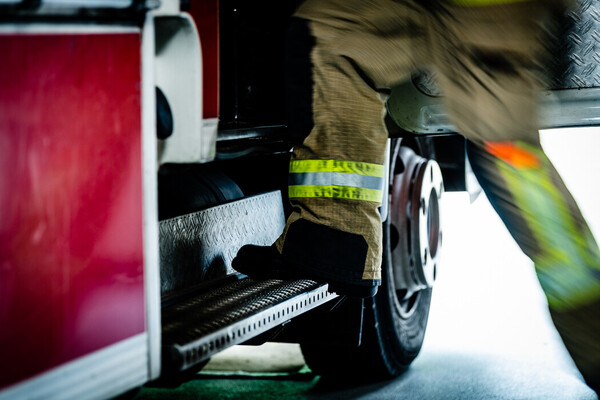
[482, 3]
[337, 192]
[350, 167]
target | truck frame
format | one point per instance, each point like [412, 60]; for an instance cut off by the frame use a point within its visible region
[143, 142]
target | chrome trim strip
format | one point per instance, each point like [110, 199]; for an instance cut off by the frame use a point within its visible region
[150, 206]
[78, 3]
[88, 3]
[103, 374]
[64, 29]
[570, 108]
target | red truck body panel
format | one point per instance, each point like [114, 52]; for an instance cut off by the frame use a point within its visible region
[71, 250]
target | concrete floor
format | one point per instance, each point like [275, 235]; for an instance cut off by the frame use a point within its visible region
[489, 333]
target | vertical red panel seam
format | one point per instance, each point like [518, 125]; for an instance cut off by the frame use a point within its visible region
[206, 16]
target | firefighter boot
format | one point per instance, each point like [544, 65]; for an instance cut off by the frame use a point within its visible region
[265, 262]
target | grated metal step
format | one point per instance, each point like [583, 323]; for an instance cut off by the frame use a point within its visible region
[208, 322]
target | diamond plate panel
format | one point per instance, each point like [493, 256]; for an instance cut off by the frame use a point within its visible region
[576, 61]
[201, 245]
[576, 65]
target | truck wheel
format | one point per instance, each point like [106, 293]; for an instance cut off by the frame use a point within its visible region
[395, 319]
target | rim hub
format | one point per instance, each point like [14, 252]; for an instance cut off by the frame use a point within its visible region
[415, 228]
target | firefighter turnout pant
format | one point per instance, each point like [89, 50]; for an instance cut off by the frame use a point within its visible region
[344, 55]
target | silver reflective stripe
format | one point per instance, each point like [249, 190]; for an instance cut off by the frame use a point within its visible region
[337, 179]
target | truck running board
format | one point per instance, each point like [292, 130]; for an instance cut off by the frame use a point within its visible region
[209, 321]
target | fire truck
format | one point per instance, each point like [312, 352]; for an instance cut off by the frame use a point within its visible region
[143, 142]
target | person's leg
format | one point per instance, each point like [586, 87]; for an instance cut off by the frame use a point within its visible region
[357, 50]
[540, 213]
[488, 60]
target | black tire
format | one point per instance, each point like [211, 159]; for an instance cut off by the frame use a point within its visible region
[394, 320]
[394, 330]
[390, 341]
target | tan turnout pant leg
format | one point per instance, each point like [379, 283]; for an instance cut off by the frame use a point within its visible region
[361, 48]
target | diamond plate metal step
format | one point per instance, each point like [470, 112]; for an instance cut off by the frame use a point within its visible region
[209, 321]
[199, 246]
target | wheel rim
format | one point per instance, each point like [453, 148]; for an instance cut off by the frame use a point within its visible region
[414, 226]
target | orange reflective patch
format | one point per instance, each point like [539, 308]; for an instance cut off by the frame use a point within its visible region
[513, 154]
